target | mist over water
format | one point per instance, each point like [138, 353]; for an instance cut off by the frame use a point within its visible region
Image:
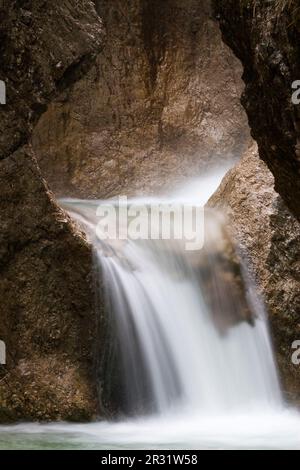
[196, 374]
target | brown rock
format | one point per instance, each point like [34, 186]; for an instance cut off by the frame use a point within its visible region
[265, 37]
[269, 236]
[160, 105]
[218, 268]
[163, 91]
[45, 47]
[47, 314]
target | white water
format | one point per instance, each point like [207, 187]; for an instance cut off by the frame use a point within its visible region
[164, 322]
[204, 388]
[173, 355]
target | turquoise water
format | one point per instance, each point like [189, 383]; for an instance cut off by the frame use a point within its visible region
[261, 429]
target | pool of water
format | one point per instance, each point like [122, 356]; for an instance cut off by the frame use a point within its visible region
[265, 430]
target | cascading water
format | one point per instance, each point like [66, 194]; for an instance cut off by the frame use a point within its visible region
[197, 363]
[172, 351]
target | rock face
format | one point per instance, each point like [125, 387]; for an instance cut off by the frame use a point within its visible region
[270, 239]
[47, 316]
[44, 49]
[218, 267]
[265, 37]
[161, 103]
[163, 95]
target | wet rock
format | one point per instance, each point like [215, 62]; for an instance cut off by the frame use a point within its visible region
[219, 268]
[265, 37]
[269, 236]
[48, 321]
[35, 36]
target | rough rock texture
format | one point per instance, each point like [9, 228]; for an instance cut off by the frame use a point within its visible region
[218, 266]
[265, 37]
[161, 103]
[270, 239]
[44, 47]
[47, 317]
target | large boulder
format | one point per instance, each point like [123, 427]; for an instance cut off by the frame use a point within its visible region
[48, 321]
[47, 314]
[269, 236]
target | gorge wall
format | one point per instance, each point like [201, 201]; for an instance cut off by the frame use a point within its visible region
[269, 237]
[161, 104]
[264, 35]
[47, 314]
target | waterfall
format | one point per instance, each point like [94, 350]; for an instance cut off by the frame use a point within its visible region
[194, 359]
[184, 341]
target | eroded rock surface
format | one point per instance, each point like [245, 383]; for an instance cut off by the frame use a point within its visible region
[265, 37]
[161, 104]
[44, 47]
[269, 236]
[47, 315]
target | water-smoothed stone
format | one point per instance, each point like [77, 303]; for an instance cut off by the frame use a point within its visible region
[269, 236]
